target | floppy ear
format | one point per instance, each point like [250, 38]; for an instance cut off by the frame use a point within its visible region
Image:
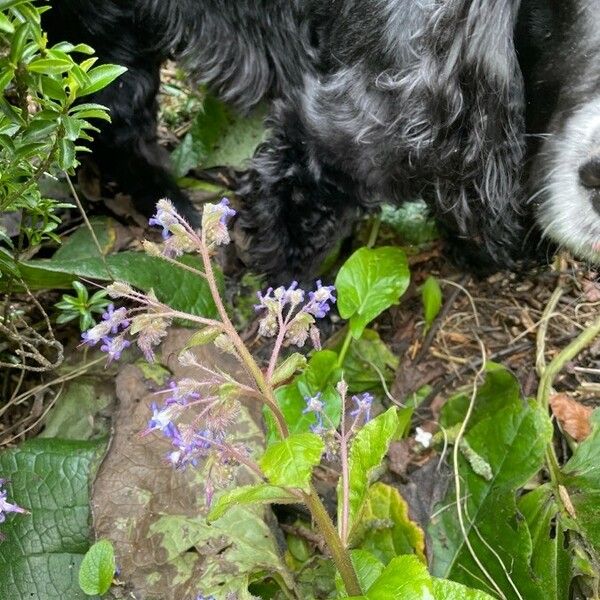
[474, 106]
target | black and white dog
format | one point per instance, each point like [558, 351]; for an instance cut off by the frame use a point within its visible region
[487, 109]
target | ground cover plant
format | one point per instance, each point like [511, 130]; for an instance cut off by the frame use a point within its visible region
[393, 429]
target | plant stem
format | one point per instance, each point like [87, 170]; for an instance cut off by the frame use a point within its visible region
[343, 526]
[548, 376]
[339, 554]
[345, 347]
[244, 353]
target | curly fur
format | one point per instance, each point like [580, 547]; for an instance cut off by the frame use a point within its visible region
[371, 100]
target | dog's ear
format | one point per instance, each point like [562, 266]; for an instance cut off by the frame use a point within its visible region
[474, 102]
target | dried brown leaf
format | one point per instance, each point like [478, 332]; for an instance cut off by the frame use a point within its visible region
[573, 417]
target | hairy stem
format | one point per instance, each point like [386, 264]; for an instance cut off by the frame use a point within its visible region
[232, 333]
[339, 554]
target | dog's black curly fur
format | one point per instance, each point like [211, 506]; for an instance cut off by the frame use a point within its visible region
[371, 100]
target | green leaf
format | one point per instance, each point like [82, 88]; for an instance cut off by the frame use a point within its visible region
[206, 335]
[294, 362]
[500, 389]
[250, 494]
[41, 554]
[50, 66]
[366, 454]
[412, 222]
[581, 476]
[550, 559]
[431, 293]
[100, 77]
[405, 578]
[450, 590]
[321, 375]
[79, 258]
[367, 567]
[512, 440]
[385, 528]
[290, 463]
[368, 283]
[97, 568]
[369, 364]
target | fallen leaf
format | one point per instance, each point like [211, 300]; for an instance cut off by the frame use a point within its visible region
[573, 417]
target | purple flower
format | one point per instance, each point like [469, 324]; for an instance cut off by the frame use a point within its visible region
[160, 420]
[315, 405]
[116, 318]
[7, 507]
[114, 346]
[363, 404]
[112, 320]
[201, 597]
[164, 217]
[319, 300]
[226, 211]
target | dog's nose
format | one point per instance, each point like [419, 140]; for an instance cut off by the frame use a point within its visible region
[589, 173]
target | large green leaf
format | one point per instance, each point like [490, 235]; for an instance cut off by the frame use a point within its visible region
[512, 440]
[368, 283]
[79, 258]
[550, 558]
[290, 462]
[367, 452]
[385, 528]
[500, 389]
[42, 552]
[406, 578]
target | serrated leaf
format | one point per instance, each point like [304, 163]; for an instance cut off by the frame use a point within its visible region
[290, 462]
[511, 437]
[385, 528]
[41, 554]
[368, 283]
[97, 568]
[367, 452]
[431, 293]
[250, 494]
[450, 590]
[405, 578]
